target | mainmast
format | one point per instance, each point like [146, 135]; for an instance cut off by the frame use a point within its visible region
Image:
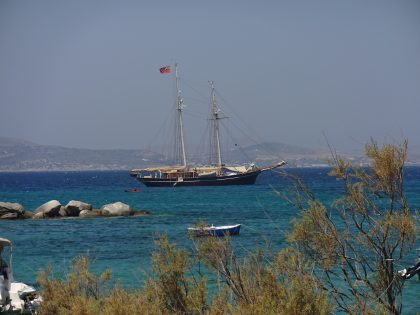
[179, 107]
[215, 110]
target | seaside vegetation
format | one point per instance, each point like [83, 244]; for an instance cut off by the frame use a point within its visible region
[342, 257]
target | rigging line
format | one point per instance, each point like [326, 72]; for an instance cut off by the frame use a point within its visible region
[164, 131]
[247, 126]
[227, 143]
[159, 130]
[202, 143]
[225, 102]
[195, 110]
[260, 143]
[198, 99]
[193, 114]
[198, 92]
[195, 100]
[255, 141]
[241, 149]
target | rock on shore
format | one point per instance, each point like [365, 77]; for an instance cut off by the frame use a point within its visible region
[74, 208]
[11, 210]
[48, 209]
[117, 209]
[90, 213]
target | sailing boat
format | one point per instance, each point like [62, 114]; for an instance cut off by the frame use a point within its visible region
[211, 175]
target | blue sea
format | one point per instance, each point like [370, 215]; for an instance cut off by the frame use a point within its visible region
[125, 244]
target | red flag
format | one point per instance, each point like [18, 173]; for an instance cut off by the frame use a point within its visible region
[166, 69]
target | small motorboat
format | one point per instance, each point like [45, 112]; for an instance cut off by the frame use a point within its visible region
[133, 190]
[215, 230]
[410, 272]
[15, 296]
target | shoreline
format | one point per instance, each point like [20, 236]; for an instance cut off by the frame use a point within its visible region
[128, 170]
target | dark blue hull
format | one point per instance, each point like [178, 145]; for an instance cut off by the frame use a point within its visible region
[239, 179]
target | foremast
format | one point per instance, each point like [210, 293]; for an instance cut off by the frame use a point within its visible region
[179, 108]
[215, 117]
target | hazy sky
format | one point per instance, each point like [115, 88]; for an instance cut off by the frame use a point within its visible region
[85, 73]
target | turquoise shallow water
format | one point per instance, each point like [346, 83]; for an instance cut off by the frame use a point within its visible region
[125, 244]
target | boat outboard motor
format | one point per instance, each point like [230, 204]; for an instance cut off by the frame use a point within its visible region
[31, 298]
[411, 271]
[5, 277]
[4, 294]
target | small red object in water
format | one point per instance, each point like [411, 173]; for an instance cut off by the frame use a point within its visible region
[133, 190]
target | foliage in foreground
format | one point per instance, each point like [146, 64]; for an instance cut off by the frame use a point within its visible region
[248, 287]
[358, 244]
[339, 258]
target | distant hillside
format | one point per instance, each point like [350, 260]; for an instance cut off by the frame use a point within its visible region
[272, 152]
[282, 148]
[21, 155]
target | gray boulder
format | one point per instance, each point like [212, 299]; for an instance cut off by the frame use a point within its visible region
[117, 209]
[39, 215]
[90, 213]
[27, 215]
[11, 207]
[49, 209]
[74, 207]
[62, 212]
[9, 216]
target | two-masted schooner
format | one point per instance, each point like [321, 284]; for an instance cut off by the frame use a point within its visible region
[187, 175]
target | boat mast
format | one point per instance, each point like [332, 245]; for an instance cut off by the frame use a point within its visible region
[215, 110]
[179, 107]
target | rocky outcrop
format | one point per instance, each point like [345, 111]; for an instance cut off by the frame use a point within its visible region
[90, 213]
[39, 215]
[54, 209]
[117, 209]
[74, 207]
[49, 209]
[9, 216]
[10, 210]
[27, 215]
[62, 213]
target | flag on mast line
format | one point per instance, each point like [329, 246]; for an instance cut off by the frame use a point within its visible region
[166, 69]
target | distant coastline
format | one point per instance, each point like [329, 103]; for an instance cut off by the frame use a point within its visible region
[128, 170]
[24, 156]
